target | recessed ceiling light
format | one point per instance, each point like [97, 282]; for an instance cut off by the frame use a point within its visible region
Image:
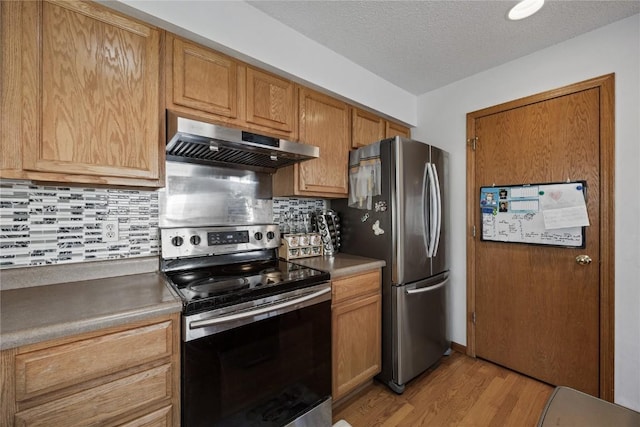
[524, 9]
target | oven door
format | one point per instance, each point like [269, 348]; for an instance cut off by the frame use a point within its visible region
[267, 369]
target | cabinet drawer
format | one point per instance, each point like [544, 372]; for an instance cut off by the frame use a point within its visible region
[101, 404]
[352, 286]
[160, 418]
[54, 368]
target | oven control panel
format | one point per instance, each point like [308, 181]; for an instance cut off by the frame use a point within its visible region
[202, 241]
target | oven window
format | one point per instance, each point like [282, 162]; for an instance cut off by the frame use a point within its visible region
[265, 373]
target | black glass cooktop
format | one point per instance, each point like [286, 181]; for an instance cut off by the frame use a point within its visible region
[219, 286]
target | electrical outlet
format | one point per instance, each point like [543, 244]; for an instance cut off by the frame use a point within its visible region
[110, 231]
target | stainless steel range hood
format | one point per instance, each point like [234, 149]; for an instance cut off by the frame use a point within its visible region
[205, 143]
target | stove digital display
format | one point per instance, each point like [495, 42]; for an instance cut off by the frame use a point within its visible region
[227, 237]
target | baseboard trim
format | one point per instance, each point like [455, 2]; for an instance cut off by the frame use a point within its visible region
[458, 347]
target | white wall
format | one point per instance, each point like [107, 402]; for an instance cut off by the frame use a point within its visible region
[442, 121]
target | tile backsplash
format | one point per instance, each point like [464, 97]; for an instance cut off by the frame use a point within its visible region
[51, 225]
[43, 225]
[297, 206]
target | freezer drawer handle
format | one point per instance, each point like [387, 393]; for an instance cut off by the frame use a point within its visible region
[427, 289]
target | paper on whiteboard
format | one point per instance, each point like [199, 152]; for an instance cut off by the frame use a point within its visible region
[563, 206]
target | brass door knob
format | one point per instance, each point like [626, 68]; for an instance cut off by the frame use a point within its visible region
[583, 259]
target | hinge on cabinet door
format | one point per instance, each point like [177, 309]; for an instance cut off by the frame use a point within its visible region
[473, 317]
[473, 232]
[473, 142]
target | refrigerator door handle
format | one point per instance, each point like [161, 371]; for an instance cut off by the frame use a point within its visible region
[428, 288]
[433, 211]
[438, 210]
[426, 230]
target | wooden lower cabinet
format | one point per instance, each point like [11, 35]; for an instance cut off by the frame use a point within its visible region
[123, 376]
[356, 331]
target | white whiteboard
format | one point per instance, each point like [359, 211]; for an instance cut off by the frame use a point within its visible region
[515, 214]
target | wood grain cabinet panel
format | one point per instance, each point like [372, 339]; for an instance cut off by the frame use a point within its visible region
[366, 128]
[57, 367]
[102, 403]
[324, 122]
[163, 417]
[356, 325]
[214, 87]
[203, 79]
[353, 286]
[270, 100]
[89, 99]
[392, 129]
[121, 376]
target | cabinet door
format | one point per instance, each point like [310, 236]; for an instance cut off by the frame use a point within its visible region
[366, 128]
[270, 101]
[356, 343]
[204, 79]
[324, 122]
[393, 129]
[91, 91]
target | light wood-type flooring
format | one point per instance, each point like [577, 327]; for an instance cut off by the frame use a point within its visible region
[461, 391]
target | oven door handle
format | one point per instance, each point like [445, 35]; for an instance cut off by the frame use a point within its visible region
[233, 317]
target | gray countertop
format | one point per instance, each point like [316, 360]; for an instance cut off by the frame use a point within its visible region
[341, 264]
[35, 314]
[38, 313]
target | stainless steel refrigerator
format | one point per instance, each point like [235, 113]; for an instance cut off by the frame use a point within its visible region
[406, 226]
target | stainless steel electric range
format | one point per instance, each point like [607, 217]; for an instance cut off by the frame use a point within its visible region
[256, 329]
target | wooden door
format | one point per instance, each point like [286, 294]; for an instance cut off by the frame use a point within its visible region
[536, 310]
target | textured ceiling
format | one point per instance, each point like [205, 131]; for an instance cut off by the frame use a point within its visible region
[423, 45]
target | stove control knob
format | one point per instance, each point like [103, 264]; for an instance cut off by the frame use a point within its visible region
[195, 240]
[177, 241]
[270, 235]
[258, 236]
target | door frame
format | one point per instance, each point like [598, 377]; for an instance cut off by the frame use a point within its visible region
[606, 86]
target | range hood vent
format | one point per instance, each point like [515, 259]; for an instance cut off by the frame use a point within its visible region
[205, 143]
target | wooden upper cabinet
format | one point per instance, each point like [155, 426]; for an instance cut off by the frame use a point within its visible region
[394, 129]
[203, 79]
[366, 128]
[270, 101]
[325, 123]
[220, 89]
[90, 94]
